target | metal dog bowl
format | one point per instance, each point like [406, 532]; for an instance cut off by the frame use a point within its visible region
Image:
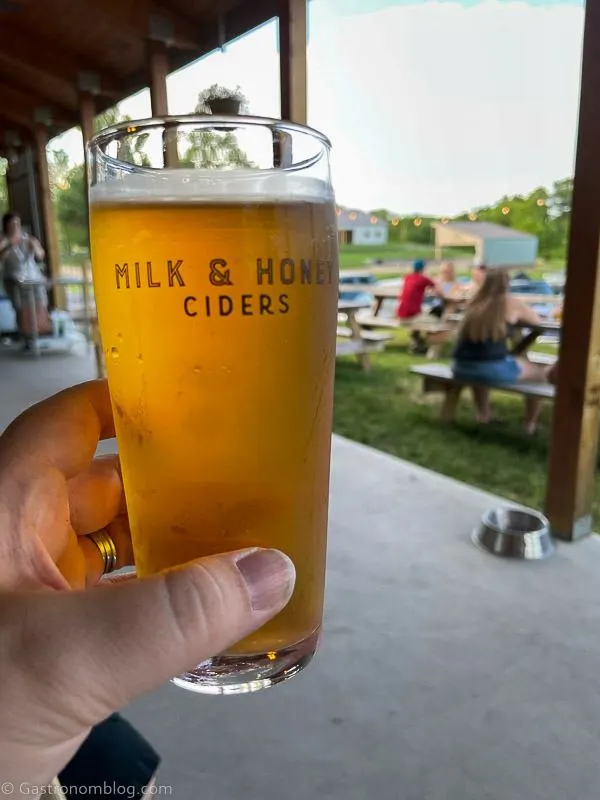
[515, 533]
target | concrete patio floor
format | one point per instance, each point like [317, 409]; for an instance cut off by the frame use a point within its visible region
[444, 674]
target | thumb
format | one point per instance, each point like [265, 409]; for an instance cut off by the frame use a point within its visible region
[104, 646]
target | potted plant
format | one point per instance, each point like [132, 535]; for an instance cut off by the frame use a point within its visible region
[220, 100]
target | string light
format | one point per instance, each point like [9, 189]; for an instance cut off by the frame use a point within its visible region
[540, 201]
[374, 220]
[505, 210]
[395, 221]
[338, 211]
[472, 216]
[418, 222]
[445, 220]
[353, 215]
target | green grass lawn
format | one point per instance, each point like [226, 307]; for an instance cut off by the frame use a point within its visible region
[386, 409]
[356, 256]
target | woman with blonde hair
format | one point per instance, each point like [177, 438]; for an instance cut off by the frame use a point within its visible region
[481, 355]
[447, 285]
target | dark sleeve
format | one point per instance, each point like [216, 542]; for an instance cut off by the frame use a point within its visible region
[113, 755]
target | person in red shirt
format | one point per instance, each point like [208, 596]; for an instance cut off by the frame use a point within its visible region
[411, 299]
[413, 292]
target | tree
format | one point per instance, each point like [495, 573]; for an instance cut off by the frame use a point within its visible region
[130, 148]
[71, 211]
[58, 167]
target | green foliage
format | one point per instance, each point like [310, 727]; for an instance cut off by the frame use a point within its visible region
[129, 149]
[58, 167]
[386, 409]
[209, 149]
[544, 213]
[71, 211]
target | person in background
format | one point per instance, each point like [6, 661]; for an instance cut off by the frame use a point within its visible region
[414, 288]
[447, 285]
[19, 257]
[481, 355]
[447, 288]
[477, 278]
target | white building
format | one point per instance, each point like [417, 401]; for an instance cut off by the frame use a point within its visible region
[495, 245]
[356, 227]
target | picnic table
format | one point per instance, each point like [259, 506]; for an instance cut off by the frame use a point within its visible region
[28, 291]
[357, 341]
[382, 293]
[528, 334]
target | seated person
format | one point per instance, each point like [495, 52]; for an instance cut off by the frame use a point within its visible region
[447, 285]
[409, 306]
[477, 278]
[447, 288]
[19, 254]
[481, 355]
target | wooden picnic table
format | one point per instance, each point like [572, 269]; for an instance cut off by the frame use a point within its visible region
[359, 342]
[28, 290]
[382, 293]
[529, 334]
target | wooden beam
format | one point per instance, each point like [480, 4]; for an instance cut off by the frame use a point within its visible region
[31, 98]
[87, 115]
[158, 58]
[576, 420]
[21, 76]
[238, 21]
[47, 210]
[292, 59]
[13, 117]
[43, 56]
[158, 63]
[143, 19]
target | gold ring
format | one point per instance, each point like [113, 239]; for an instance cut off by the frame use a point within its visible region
[107, 549]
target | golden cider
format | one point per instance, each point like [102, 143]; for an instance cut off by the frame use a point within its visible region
[218, 324]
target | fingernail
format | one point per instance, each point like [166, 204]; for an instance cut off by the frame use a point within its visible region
[269, 576]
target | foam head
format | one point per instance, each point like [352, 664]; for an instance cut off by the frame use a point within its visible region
[211, 186]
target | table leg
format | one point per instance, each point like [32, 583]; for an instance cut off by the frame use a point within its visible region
[378, 304]
[34, 326]
[521, 347]
[363, 357]
[448, 410]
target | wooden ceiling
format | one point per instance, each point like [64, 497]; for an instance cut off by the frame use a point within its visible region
[52, 49]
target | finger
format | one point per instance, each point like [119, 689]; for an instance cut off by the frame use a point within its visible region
[61, 432]
[118, 530]
[95, 495]
[103, 647]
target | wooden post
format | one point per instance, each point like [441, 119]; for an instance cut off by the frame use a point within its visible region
[292, 59]
[48, 221]
[576, 421]
[159, 69]
[87, 114]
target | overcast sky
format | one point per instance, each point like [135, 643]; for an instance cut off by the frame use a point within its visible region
[433, 106]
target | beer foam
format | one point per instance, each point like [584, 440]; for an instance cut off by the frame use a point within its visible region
[211, 186]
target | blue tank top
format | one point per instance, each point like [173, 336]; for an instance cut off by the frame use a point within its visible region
[488, 350]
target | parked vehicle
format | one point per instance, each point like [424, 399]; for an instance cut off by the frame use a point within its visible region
[525, 285]
[350, 288]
